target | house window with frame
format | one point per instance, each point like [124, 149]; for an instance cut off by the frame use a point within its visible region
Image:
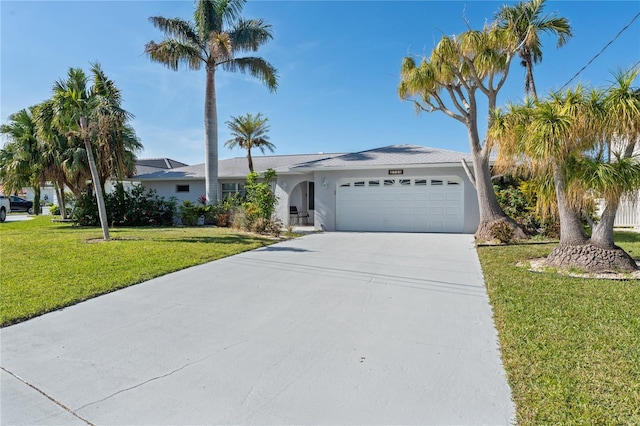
[232, 188]
[182, 188]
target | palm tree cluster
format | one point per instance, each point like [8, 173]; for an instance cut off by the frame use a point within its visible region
[215, 38]
[81, 134]
[579, 142]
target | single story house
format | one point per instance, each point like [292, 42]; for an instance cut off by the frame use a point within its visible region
[397, 188]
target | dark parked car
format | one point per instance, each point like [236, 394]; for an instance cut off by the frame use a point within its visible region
[21, 205]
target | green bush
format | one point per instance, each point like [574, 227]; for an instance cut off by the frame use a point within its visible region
[134, 207]
[55, 210]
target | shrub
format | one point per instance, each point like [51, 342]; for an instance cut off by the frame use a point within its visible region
[261, 201]
[188, 213]
[134, 207]
[55, 210]
[501, 231]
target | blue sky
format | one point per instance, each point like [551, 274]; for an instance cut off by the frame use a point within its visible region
[338, 65]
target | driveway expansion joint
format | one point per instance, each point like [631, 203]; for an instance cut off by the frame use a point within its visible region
[50, 398]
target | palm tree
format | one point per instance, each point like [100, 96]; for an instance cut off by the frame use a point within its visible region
[217, 35]
[449, 81]
[249, 132]
[526, 21]
[554, 139]
[612, 179]
[20, 159]
[90, 113]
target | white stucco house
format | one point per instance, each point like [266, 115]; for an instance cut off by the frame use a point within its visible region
[397, 188]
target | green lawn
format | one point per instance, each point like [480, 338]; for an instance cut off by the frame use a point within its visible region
[571, 346]
[46, 266]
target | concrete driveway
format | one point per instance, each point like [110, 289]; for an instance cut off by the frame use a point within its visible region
[333, 328]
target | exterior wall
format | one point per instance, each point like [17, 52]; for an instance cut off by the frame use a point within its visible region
[289, 193]
[325, 212]
[167, 189]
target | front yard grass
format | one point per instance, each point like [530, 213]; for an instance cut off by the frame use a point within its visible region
[570, 346]
[46, 266]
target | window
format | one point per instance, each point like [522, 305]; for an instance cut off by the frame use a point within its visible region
[389, 182]
[405, 182]
[436, 182]
[231, 189]
[358, 183]
[345, 185]
[451, 182]
[374, 183]
[182, 188]
[421, 182]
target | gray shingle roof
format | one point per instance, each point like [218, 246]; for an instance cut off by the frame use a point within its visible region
[392, 155]
[234, 167]
[150, 165]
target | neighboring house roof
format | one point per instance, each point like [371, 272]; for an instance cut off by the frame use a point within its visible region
[232, 168]
[392, 155]
[151, 165]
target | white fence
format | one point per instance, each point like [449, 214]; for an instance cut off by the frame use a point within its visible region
[628, 212]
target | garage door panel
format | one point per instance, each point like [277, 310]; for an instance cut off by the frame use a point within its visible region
[401, 205]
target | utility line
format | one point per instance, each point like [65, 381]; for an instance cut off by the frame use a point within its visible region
[602, 50]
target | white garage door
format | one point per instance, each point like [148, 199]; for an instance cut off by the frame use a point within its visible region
[422, 204]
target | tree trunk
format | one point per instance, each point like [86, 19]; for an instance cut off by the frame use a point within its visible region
[530, 85]
[250, 160]
[602, 235]
[36, 199]
[575, 251]
[97, 187]
[61, 200]
[571, 231]
[211, 138]
[490, 211]
[591, 258]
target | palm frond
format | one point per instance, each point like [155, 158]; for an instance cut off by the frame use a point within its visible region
[256, 67]
[176, 29]
[249, 35]
[172, 53]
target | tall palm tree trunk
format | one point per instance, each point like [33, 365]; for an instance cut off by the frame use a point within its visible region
[211, 137]
[530, 85]
[250, 160]
[95, 177]
[61, 199]
[36, 198]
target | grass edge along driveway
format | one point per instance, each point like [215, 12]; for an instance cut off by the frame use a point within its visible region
[48, 266]
[570, 346]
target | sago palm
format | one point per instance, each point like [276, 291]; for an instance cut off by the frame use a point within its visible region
[216, 37]
[249, 132]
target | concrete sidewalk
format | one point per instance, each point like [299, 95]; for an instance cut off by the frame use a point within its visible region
[332, 328]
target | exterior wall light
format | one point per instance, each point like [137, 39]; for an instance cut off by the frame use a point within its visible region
[325, 183]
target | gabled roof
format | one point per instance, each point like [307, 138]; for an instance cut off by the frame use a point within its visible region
[233, 168]
[388, 156]
[392, 155]
[151, 165]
